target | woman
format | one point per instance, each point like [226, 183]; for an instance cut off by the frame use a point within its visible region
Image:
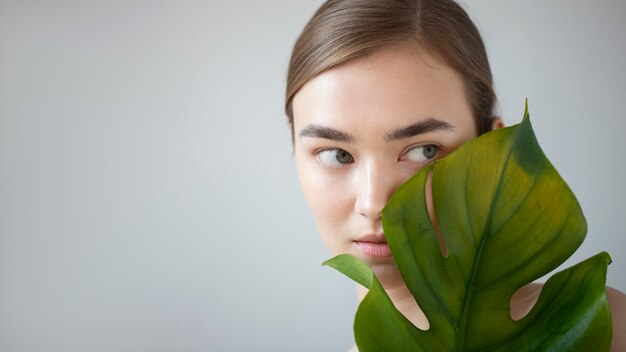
[376, 90]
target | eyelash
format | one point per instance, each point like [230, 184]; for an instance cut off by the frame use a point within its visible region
[320, 155]
[336, 163]
[428, 159]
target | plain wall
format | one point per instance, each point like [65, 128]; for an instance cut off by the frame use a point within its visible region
[148, 195]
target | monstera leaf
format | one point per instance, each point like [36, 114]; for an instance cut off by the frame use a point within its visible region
[507, 218]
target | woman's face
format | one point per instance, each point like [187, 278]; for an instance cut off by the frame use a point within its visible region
[365, 127]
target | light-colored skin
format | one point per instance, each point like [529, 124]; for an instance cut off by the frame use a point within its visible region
[367, 99]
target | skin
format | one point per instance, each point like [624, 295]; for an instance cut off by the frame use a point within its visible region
[349, 166]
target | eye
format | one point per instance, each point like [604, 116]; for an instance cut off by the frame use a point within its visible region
[334, 157]
[422, 153]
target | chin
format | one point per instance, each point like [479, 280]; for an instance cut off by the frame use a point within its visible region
[388, 275]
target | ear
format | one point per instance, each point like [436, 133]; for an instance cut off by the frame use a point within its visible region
[497, 123]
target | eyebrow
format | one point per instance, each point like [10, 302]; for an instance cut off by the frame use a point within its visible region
[326, 133]
[430, 125]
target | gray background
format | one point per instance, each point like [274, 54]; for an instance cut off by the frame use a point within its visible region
[148, 196]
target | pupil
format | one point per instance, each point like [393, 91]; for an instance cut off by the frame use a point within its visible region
[343, 156]
[430, 151]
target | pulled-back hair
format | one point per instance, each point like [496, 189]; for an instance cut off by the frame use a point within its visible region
[342, 30]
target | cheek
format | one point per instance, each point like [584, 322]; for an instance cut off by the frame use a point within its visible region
[330, 199]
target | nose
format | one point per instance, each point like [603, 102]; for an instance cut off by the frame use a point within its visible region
[375, 184]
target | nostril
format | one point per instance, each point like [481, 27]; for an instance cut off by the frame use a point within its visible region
[370, 203]
[430, 206]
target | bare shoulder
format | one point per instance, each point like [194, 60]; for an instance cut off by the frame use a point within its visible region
[524, 299]
[617, 304]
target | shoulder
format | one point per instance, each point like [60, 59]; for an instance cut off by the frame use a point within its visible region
[524, 299]
[617, 305]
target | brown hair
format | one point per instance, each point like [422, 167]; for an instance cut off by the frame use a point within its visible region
[342, 30]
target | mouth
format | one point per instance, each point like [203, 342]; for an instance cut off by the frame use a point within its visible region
[374, 246]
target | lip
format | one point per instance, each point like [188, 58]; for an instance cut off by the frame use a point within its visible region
[374, 246]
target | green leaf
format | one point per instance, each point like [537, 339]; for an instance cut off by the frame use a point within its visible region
[507, 218]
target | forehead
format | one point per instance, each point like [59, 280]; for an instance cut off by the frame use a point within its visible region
[386, 89]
